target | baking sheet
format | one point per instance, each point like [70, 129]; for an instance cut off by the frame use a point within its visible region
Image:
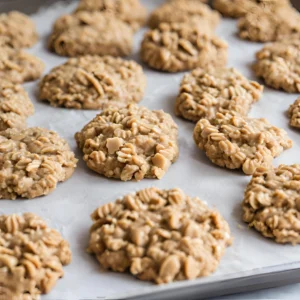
[68, 208]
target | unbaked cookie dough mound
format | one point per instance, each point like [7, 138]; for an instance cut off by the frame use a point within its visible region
[92, 33]
[278, 64]
[159, 235]
[131, 142]
[131, 12]
[32, 256]
[18, 67]
[294, 113]
[178, 47]
[272, 203]
[93, 82]
[205, 92]
[17, 30]
[238, 142]
[32, 162]
[15, 106]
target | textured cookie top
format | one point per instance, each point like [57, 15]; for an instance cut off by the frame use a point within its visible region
[159, 235]
[91, 33]
[92, 82]
[132, 142]
[272, 203]
[179, 11]
[17, 30]
[278, 64]
[238, 142]
[32, 161]
[17, 66]
[32, 256]
[294, 113]
[204, 92]
[129, 11]
[178, 47]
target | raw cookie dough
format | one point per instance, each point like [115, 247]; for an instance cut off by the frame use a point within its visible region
[91, 33]
[15, 106]
[93, 82]
[127, 143]
[17, 30]
[278, 64]
[272, 203]
[179, 11]
[17, 66]
[294, 113]
[269, 24]
[130, 11]
[32, 162]
[239, 142]
[204, 92]
[159, 235]
[32, 257]
[177, 47]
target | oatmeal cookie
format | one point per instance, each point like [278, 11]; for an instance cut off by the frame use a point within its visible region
[204, 92]
[32, 162]
[91, 33]
[131, 12]
[32, 256]
[15, 106]
[17, 30]
[177, 47]
[238, 142]
[92, 82]
[159, 235]
[17, 66]
[278, 64]
[272, 203]
[131, 142]
[294, 113]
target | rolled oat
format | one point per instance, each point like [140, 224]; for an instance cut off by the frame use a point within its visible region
[294, 113]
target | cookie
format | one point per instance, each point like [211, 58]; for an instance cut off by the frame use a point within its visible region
[17, 66]
[238, 142]
[178, 47]
[272, 203]
[91, 33]
[159, 235]
[131, 12]
[93, 82]
[15, 106]
[180, 11]
[131, 142]
[32, 162]
[32, 256]
[294, 113]
[278, 64]
[269, 24]
[17, 30]
[205, 92]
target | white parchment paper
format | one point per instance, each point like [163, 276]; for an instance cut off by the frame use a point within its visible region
[68, 208]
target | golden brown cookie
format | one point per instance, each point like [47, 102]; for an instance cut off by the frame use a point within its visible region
[294, 113]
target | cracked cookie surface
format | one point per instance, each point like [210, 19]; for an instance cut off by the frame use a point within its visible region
[205, 92]
[128, 143]
[32, 256]
[294, 113]
[159, 235]
[92, 82]
[272, 203]
[32, 162]
[238, 142]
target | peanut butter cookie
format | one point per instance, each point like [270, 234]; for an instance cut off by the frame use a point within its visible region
[294, 113]
[238, 142]
[205, 92]
[159, 235]
[92, 82]
[32, 162]
[272, 203]
[131, 142]
[91, 33]
[32, 256]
